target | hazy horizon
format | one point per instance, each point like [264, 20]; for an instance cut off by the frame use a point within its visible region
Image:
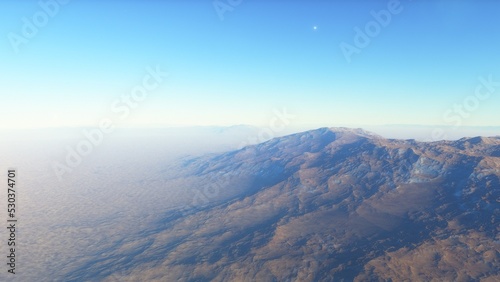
[395, 131]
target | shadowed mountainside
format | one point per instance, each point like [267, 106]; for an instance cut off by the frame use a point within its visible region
[327, 205]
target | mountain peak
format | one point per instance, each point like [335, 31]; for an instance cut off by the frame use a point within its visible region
[356, 131]
[365, 208]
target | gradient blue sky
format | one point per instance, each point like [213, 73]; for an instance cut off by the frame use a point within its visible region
[264, 55]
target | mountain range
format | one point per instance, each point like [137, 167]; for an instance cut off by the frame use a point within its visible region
[332, 204]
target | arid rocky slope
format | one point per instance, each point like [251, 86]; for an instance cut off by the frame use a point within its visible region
[329, 205]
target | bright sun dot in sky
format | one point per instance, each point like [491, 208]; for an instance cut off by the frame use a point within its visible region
[392, 68]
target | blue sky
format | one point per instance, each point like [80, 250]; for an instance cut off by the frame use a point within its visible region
[263, 55]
